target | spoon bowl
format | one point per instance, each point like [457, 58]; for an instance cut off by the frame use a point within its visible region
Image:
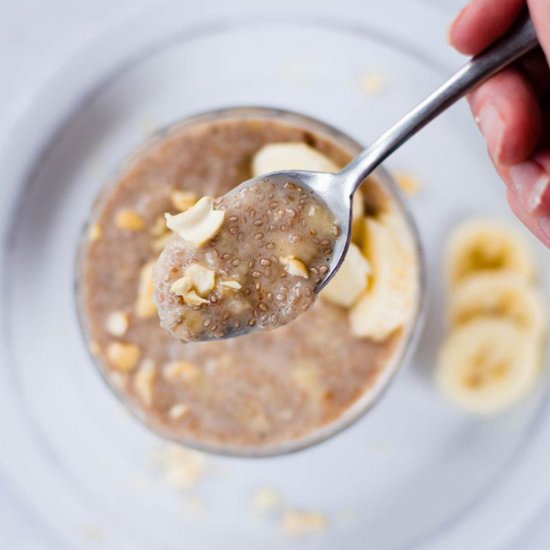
[324, 187]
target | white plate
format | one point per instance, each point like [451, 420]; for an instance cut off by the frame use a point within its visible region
[416, 472]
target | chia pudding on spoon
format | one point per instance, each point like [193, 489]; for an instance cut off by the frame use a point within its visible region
[252, 259]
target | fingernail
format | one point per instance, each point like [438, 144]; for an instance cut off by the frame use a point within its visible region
[544, 225]
[530, 184]
[492, 128]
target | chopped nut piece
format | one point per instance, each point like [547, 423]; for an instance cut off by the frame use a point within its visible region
[95, 232]
[193, 299]
[181, 467]
[129, 220]
[298, 522]
[196, 283]
[183, 287]
[145, 305]
[198, 224]
[203, 279]
[117, 323]
[231, 284]
[178, 411]
[409, 184]
[294, 266]
[123, 356]
[267, 500]
[183, 200]
[177, 371]
[372, 83]
[143, 381]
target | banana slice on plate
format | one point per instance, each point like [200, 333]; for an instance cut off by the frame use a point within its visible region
[290, 156]
[487, 245]
[487, 365]
[350, 280]
[387, 304]
[500, 295]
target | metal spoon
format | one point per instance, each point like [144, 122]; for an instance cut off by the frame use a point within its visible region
[336, 190]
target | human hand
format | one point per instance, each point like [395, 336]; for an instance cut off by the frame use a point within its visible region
[512, 108]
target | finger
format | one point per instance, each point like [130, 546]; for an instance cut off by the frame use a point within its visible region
[508, 114]
[535, 68]
[481, 22]
[529, 181]
[540, 15]
[538, 225]
[529, 184]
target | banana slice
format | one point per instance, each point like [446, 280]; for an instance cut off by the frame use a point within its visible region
[387, 303]
[290, 156]
[350, 280]
[487, 245]
[396, 223]
[502, 295]
[487, 365]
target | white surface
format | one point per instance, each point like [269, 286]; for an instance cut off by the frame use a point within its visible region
[38, 37]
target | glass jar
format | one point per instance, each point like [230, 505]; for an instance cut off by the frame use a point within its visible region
[398, 356]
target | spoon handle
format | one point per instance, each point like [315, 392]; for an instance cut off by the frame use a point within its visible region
[518, 41]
